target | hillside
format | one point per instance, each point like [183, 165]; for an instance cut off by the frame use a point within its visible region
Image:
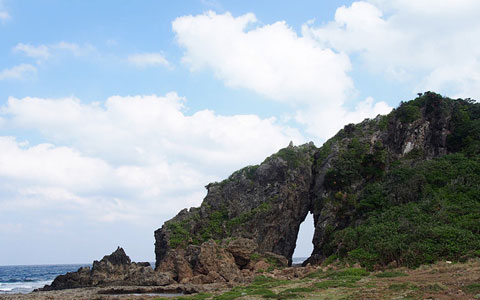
[401, 189]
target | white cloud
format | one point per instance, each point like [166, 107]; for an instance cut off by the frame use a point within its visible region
[336, 116]
[273, 61]
[129, 158]
[412, 41]
[46, 164]
[75, 49]
[38, 52]
[146, 124]
[143, 60]
[4, 15]
[18, 72]
[43, 52]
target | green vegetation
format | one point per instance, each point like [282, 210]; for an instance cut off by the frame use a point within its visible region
[241, 219]
[472, 288]
[355, 164]
[179, 233]
[390, 274]
[417, 215]
[214, 226]
[402, 286]
[408, 112]
[466, 128]
[410, 210]
[218, 225]
[260, 287]
[295, 156]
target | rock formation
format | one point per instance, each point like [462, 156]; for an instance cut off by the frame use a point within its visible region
[115, 269]
[265, 204]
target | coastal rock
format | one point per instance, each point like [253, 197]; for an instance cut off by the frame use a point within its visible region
[114, 269]
[265, 204]
[258, 209]
[242, 250]
[207, 263]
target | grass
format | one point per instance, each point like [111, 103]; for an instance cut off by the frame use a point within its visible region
[390, 274]
[472, 288]
[405, 286]
[334, 284]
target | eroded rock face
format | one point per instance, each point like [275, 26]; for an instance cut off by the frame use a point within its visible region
[113, 269]
[210, 262]
[264, 205]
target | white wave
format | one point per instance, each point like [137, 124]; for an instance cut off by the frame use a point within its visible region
[21, 287]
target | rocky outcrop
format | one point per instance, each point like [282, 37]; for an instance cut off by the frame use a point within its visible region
[265, 204]
[115, 269]
[210, 262]
[257, 211]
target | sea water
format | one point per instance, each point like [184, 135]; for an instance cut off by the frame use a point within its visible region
[24, 279]
[298, 260]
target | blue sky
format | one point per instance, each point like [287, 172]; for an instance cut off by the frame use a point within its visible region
[114, 116]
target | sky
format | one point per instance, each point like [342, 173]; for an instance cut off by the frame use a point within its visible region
[114, 115]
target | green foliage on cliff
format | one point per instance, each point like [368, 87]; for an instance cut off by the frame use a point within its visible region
[243, 218]
[355, 164]
[465, 123]
[410, 210]
[179, 233]
[423, 212]
[408, 112]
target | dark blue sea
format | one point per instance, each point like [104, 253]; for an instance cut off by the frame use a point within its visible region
[24, 279]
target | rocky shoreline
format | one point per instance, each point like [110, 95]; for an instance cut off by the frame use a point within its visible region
[443, 280]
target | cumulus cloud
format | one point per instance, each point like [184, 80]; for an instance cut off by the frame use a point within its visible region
[143, 60]
[148, 123]
[18, 72]
[128, 158]
[411, 41]
[273, 61]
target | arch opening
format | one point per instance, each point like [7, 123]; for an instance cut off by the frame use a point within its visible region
[304, 244]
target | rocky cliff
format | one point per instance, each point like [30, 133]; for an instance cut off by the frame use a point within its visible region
[345, 184]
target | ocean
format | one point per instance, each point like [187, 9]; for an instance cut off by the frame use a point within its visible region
[24, 279]
[298, 260]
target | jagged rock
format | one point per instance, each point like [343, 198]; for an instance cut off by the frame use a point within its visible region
[276, 259]
[242, 249]
[117, 258]
[183, 269]
[113, 269]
